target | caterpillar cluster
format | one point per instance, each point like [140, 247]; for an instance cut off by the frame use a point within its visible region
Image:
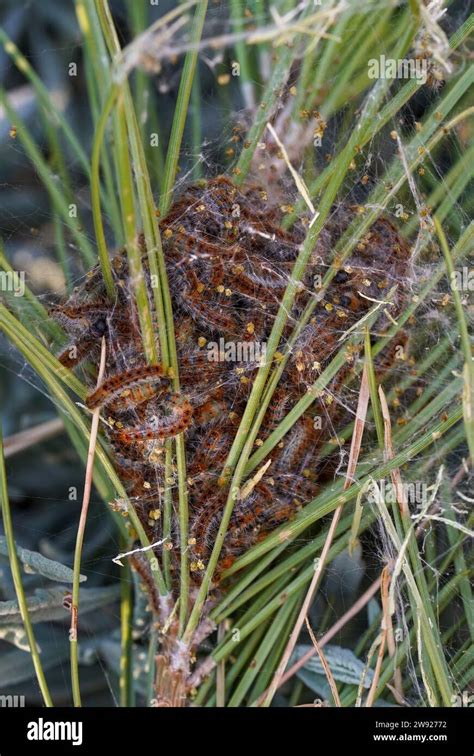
[228, 262]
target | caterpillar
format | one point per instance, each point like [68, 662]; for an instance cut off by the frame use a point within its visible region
[159, 426]
[228, 262]
[130, 380]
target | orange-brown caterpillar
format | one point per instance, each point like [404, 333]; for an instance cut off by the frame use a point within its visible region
[160, 426]
[124, 384]
[227, 272]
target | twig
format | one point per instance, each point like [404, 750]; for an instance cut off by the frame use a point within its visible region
[248, 487]
[372, 649]
[386, 623]
[300, 184]
[392, 649]
[80, 539]
[324, 662]
[18, 442]
[389, 455]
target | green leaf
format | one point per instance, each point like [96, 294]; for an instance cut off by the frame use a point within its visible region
[343, 663]
[16, 635]
[317, 683]
[48, 605]
[36, 563]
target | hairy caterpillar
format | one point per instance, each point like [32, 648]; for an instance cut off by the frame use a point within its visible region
[228, 262]
[125, 385]
[161, 425]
